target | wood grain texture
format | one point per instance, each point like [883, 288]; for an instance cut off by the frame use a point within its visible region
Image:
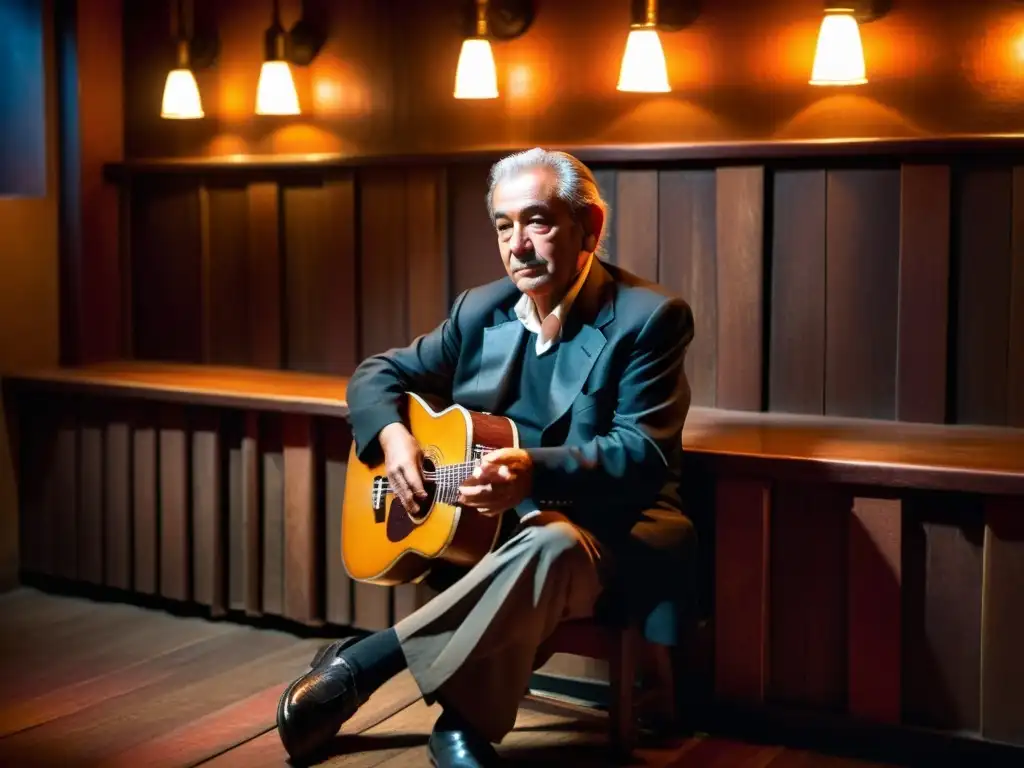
[209, 577]
[874, 610]
[474, 245]
[808, 596]
[245, 533]
[384, 268]
[739, 214]
[742, 608]
[302, 532]
[427, 213]
[90, 495]
[983, 302]
[341, 340]
[145, 529]
[175, 528]
[687, 267]
[1002, 629]
[227, 311]
[862, 286]
[1015, 356]
[264, 290]
[272, 509]
[796, 368]
[923, 293]
[64, 515]
[636, 229]
[117, 511]
[942, 573]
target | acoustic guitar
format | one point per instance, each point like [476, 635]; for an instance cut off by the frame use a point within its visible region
[384, 543]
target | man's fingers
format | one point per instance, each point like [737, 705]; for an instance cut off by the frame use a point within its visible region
[415, 481]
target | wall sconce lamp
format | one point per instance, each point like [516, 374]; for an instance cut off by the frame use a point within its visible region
[275, 91]
[839, 56]
[643, 68]
[181, 99]
[475, 75]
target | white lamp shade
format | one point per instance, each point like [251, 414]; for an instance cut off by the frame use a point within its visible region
[181, 96]
[275, 92]
[475, 76]
[643, 64]
[839, 57]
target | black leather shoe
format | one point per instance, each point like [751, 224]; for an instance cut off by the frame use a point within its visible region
[460, 749]
[313, 708]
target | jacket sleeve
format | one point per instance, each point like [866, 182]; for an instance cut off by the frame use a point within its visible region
[376, 391]
[628, 465]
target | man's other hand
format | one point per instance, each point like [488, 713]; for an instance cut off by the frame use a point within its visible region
[503, 479]
[403, 461]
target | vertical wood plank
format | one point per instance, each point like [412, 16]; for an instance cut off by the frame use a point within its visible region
[874, 610]
[175, 544]
[608, 186]
[271, 447]
[264, 285]
[1015, 363]
[145, 537]
[796, 375]
[983, 277]
[35, 429]
[245, 532]
[474, 256]
[1002, 631]
[427, 245]
[739, 211]
[117, 515]
[337, 444]
[808, 595]
[384, 269]
[301, 530]
[862, 283]
[923, 293]
[742, 515]
[227, 305]
[208, 571]
[942, 573]
[66, 499]
[90, 490]
[636, 227]
[686, 266]
[341, 323]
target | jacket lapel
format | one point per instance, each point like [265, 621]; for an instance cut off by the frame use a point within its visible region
[497, 359]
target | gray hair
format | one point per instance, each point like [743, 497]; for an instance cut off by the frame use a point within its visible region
[575, 184]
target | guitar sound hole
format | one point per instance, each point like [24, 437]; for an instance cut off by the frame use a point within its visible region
[401, 522]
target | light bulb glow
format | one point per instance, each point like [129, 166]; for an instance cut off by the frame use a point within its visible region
[181, 96]
[643, 63]
[275, 92]
[839, 57]
[475, 76]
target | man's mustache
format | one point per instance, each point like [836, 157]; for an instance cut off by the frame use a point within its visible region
[520, 265]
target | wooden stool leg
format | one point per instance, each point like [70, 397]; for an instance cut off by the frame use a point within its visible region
[622, 677]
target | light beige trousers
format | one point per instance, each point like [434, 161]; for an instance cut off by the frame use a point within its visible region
[475, 645]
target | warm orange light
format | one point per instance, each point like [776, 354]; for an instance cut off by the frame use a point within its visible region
[181, 96]
[476, 76]
[839, 57]
[643, 63]
[275, 92]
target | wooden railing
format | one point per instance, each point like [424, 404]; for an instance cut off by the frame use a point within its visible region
[870, 571]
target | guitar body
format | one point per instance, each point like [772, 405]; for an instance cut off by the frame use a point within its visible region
[381, 543]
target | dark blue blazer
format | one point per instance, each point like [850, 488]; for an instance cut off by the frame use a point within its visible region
[610, 456]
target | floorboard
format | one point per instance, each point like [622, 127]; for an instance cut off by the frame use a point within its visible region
[97, 684]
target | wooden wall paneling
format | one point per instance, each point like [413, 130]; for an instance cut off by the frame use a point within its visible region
[874, 609]
[175, 529]
[36, 426]
[687, 267]
[474, 245]
[337, 442]
[272, 511]
[302, 530]
[636, 228]
[796, 355]
[1015, 357]
[983, 277]
[66, 499]
[1002, 631]
[226, 302]
[739, 214]
[166, 270]
[342, 321]
[208, 524]
[384, 267]
[264, 276]
[809, 551]
[90, 491]
[145, 538]
[742, 519]
[245, 528]
[117, 507]
[606, 184]
[942, 578]
[426, 210]
[127, 294]
[921, 372]
[862, 231]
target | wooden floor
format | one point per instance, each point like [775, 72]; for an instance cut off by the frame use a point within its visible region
[90, 683]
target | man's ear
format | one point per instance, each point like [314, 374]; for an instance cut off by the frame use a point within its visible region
[594, 224]
[590, 243]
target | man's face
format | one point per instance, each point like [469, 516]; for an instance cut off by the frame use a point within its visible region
[541, 245]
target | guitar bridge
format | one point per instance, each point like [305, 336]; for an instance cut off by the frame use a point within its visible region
[378, 498]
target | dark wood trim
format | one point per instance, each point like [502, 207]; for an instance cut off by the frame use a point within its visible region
[717, 152]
